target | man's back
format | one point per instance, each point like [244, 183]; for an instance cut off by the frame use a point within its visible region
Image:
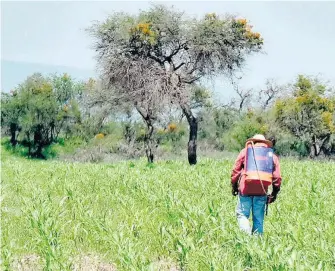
[246, 187]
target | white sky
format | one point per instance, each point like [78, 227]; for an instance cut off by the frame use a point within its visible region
[299, 36]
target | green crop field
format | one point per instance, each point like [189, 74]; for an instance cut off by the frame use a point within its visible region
[169, 216]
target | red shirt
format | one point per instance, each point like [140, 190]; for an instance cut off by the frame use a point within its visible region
[239, 169]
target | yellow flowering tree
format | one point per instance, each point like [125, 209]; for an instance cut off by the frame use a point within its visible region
[308, 114]
[162, 54]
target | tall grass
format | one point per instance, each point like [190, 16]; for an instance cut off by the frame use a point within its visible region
[137, 217]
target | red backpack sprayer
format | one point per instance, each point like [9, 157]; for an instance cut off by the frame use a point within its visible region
[259, 167]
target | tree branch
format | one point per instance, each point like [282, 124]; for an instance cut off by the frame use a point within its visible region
[141, 111]
[179, 66]
[191, 80]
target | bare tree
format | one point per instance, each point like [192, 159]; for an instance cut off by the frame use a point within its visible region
[244, 95]
[187, 49]
[271, 91]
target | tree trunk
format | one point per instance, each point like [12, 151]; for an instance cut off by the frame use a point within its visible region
[13, 129]
[314, 150]
[38, 143]
[327, 150]
[318, 146]
[192, 142]
[38, 154]
[148, 141]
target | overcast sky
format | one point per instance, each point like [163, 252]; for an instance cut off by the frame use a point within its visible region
[299, 36]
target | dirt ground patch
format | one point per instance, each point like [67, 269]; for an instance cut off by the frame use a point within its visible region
[88, 262]
[27, 263]
[81, 263]
[164, 264]
[92, 263]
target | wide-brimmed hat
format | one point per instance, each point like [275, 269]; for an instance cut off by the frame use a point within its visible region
[260, 139]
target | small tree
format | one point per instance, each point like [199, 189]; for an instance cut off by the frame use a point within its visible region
[10, 113]
[39, 115]
[186, 49]
[247, 125]
[308, 114]
[36, 111]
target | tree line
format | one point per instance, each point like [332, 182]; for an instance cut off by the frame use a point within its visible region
[152, 66]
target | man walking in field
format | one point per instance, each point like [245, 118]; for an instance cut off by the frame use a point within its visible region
[255, 169]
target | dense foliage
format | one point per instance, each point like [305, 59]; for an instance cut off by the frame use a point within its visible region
[308, 114]
[58, 110]
[37, 110]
